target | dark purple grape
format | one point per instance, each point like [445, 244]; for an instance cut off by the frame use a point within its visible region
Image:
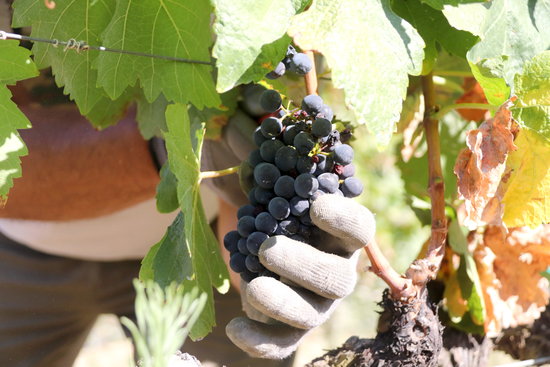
[305, 185]
[270, 100]
[343, 154]
[271, 127]
[300, 64]
[288, 226]
[247, 275]
[254, 241]
[263, 196]
[253, 264]
[305, 164]
[266, 223]
[255, 158]
[246, 210]
[304, 142]
[285, 158]
[347, 171]
[312, 104]
[299, 206]
[279, 208]
[326, 112]
[278, 72]
[290, 133]
[328, 182]
[258, 137]
[265, 175]
[245, 225]
[321, 127]
[284, 187]
[237, 262]
[230, 241]
[352, 187]
[241, 245]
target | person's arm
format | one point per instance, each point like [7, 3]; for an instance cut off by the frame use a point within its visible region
[73, 171]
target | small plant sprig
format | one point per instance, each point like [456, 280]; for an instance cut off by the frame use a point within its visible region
[165, 315]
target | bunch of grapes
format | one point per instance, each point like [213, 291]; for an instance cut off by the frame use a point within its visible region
[300, 156]
[297, 62]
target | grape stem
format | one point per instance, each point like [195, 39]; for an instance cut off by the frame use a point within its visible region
[423, 270]
[311, 77]
[220, 173]
[437, 114]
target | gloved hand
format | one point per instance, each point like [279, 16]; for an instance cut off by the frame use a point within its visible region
[313, 280]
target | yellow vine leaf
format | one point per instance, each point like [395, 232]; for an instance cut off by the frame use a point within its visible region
[527, 188]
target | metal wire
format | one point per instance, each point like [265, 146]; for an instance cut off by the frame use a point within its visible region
[79, 46]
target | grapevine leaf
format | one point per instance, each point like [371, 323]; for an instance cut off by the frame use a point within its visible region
[373, 72]
[533, 90]
[480, 166]
[439, 4]
[487, 74]
[80, 21]
[527, 183]
[518, 29]
[184, 143]
[15, 64]
[157, 27]
[167, 191]
[434, 28]
[169, 260]
[466, 17]
[242, 30]
[151, 116]
[12, 146]
[510, 267]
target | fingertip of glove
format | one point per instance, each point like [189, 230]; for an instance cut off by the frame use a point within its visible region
[343, 218]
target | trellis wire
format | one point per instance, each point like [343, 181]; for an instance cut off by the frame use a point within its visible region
[78, 46]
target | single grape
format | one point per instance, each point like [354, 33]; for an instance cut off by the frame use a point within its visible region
[271, 127]
[241, 245]
[269, 148]
[316, 195]
[348, 171]
[266, 223]
[328, 182]
[343, 154]
[265, 175]
[352, 187]
[252, 197]
[253, 264]
[254, 241]
[230, 241]
[300, 64]
[305, 164]
[290, 133]
[326, 112]
[288, 226]
[305, 219]
[263, 196]
[285, 158]
[324, 164]
[255, 158]
[246, 209]
[270, 100]
[278, 72]
[251, 100]
[312, 104]
[258, 137]
[305, 185]
[237, 262]
[279, 208]
[303, 142]
[321, 127]
[245, 225]
[299, 206]
[284, 187]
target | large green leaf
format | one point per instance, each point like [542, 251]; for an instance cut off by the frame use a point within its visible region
[513, 32]
[184, 142]
[533, 90]
[488, 73]
[242, 29]
[81, 21]
[467, 17]
[439, 4]
[370, 50]
[15, 64]
[434, 28]
[169, 28]
[151, 117]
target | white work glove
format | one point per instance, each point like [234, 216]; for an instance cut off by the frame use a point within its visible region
[313, 279]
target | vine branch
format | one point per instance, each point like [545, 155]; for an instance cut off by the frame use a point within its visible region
[220, 173]
[311, 77]
[421, 271]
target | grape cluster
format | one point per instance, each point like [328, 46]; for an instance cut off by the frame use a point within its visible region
[297, 62]
[300, 156]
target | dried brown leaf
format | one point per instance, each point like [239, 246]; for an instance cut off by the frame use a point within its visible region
[509, 267]
[480, 166]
